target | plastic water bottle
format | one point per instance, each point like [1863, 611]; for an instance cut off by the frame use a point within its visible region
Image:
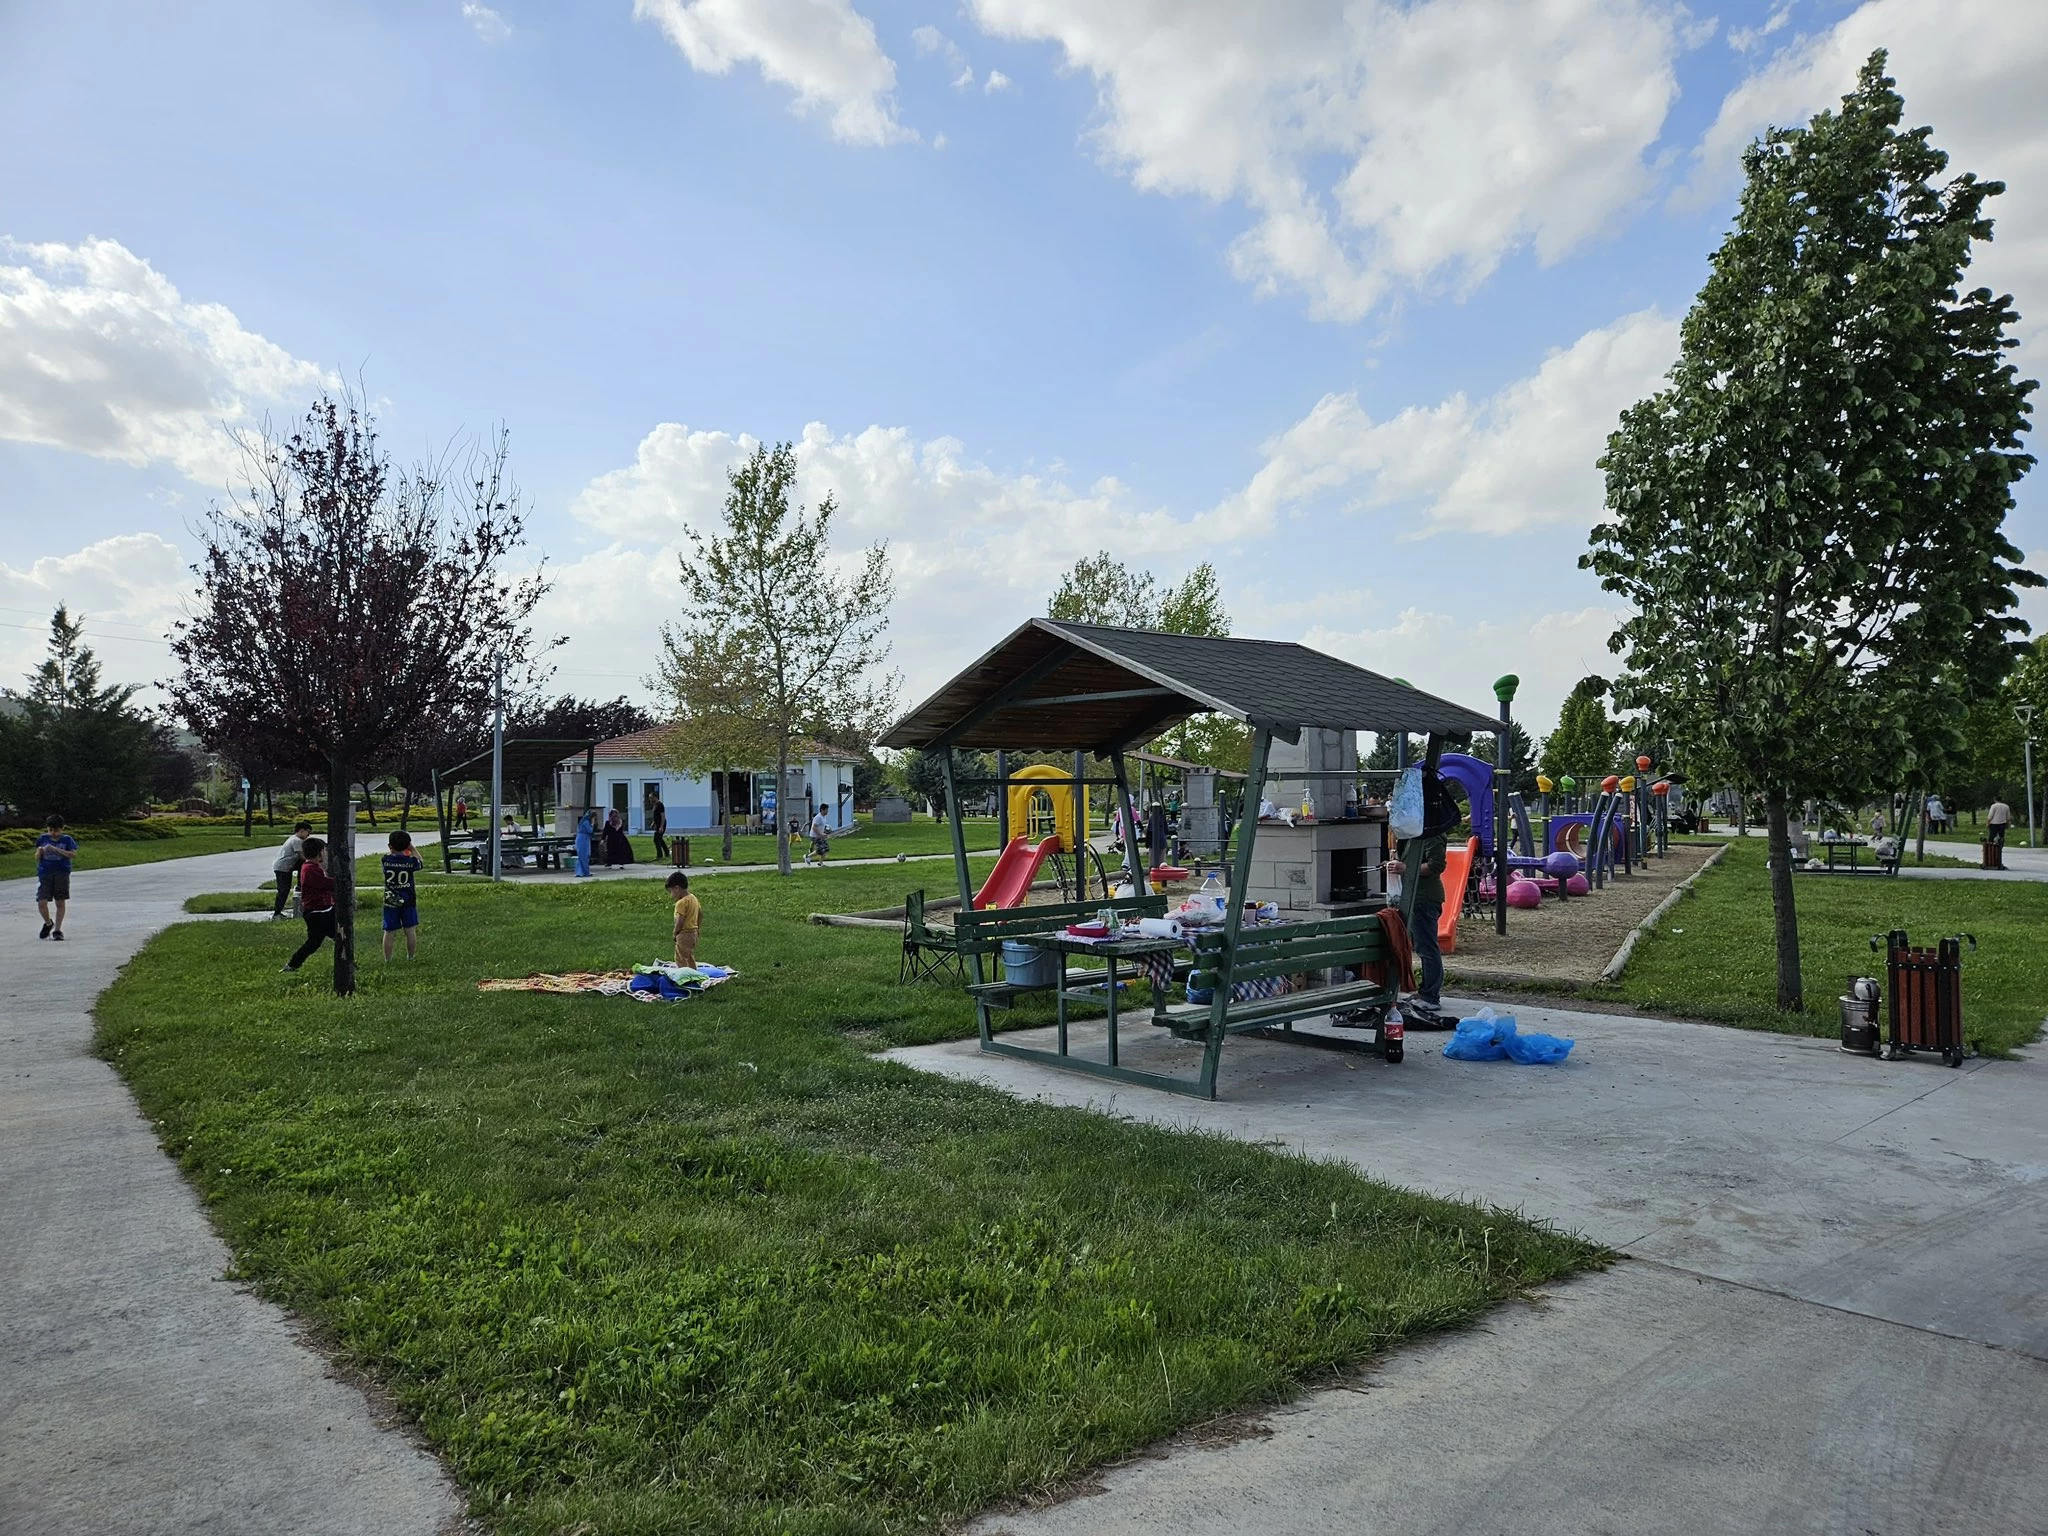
[1212, 895]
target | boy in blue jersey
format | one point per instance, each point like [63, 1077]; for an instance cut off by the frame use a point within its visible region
[53, 876]
[401, 895]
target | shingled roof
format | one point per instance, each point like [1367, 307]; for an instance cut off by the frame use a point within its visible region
[1051, 684]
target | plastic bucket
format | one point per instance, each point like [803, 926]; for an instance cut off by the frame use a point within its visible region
[1025, 966]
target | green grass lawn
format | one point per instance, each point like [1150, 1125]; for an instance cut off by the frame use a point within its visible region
[714, 1267]
[1713, 956]
[107, 853]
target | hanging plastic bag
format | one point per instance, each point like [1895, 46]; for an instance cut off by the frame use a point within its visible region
[1404, 810]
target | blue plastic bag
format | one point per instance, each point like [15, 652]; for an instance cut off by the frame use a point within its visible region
[1404, 808]
[1490, 1036]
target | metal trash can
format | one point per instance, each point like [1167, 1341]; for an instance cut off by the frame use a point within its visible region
[1859, 1021]
[1027, 966]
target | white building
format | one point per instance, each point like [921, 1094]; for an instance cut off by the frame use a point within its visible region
[629, 781]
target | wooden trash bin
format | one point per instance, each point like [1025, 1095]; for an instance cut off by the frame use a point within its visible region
[1926, 997]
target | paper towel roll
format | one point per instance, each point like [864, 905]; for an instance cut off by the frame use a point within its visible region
[1158, 928]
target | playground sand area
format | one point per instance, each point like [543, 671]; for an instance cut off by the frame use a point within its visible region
[1571, 941]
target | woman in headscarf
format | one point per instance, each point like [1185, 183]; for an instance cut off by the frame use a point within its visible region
[617, 850]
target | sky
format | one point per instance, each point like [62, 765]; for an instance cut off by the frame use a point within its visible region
[1341, 297]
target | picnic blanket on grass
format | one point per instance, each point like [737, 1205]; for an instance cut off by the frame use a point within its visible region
[657, 983]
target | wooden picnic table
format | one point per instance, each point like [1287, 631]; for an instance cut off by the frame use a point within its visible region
[1127, 947]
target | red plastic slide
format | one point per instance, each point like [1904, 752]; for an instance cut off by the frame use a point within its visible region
[1010, 881]
[1458, 864]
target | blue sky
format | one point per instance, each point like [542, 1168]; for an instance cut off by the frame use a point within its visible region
[1342, 298]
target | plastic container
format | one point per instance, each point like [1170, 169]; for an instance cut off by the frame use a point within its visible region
[1025, 966]
[1212, 896]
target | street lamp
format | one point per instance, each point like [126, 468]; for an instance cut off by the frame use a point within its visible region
[2025, 712]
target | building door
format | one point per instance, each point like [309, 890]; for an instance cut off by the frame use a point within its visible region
[650, 796]
[622, 798]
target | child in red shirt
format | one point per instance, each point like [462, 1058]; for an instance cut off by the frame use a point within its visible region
[316, 903]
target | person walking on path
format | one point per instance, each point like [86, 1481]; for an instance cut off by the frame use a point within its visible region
[401, 868]
[461, 814]
[659, 821]
[53, 876]
[585, 832]
[821, 837]
[286, 869]
[316, 904]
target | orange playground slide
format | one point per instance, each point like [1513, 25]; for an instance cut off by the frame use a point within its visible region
[1010, 881]
[1458, 864]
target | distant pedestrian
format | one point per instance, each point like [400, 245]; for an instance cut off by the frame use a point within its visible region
[586, 832]
[286, 867]
[316, 904]
[54, 850]
[1996, 820]
[401, 895]
[461, 814]
[618, 848]
[1937, 814]
[659, 820]
[821, 837]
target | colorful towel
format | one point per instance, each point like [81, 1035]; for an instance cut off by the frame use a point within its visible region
[658, 983]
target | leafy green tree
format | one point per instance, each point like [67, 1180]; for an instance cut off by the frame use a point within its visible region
[1100, 589]
[1585, 739]
[925, 773]
[796, 644]
[76, 747]
[1808, 522]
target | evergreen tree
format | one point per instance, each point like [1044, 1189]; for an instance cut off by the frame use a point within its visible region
[77, 748]
[1584, 742]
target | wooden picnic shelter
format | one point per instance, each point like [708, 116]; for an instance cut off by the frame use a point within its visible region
[529, 765]
[1052, 686]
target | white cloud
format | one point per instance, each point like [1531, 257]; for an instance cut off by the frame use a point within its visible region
[974, 548]
[997, 81]
[486, 23]
[128, 589]
[100, 354]
[1378, 145]
[1458, 655]
[823, 50]
[1972, 68]
[1521, 458]
[1745, 39]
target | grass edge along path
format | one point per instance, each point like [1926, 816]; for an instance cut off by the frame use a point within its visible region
[1713, 956]
[715, 1266]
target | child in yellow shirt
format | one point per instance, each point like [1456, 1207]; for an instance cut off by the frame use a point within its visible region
[689, 915]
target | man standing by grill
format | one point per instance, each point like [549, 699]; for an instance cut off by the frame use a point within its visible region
[1428, 856]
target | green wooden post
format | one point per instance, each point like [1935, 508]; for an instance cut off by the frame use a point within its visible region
[1123, 795]
[1240, 882]
[966, 881]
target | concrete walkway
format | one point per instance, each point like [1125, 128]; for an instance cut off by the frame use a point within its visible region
[1835, 1320]
[139, 1391]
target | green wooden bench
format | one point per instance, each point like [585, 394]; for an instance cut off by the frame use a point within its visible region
[983, 933]
[1289, 951]
[930, 951]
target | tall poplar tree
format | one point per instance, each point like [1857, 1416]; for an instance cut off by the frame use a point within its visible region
[1808, 522]
[774, 638]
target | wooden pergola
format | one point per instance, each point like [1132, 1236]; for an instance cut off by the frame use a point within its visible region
[1051, 686]
[529, 763]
